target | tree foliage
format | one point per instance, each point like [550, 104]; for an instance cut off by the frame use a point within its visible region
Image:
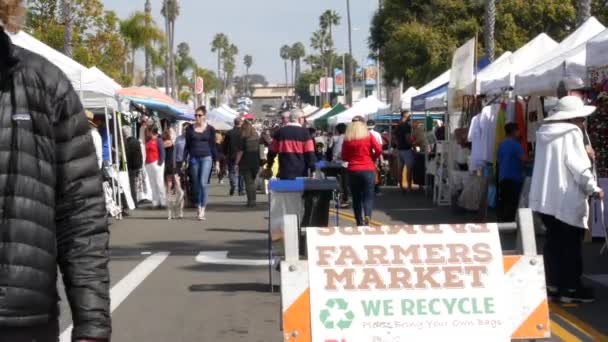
[415, 39]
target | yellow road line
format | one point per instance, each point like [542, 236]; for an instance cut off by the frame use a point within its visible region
[563, 333]
[351, 217]
[577, 323]
[556, 328]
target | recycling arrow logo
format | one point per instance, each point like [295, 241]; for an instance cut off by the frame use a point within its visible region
[336, 314]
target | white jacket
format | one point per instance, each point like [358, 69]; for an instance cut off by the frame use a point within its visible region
[562, 181]
[98, 146]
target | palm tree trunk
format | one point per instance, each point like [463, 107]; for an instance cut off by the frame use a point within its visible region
[68, 47]
[219, 78]
[148, 70]
[172, 57]
[350, 75]
[490, 22]
[133, 66]
[167, 54]
[583, 11]
[286, 75]
[247, 81]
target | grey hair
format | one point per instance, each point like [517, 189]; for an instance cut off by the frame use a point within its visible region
[295, 115]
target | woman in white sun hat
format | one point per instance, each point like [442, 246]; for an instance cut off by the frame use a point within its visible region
[561, 186]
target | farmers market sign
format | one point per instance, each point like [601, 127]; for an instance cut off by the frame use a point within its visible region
[407, 283]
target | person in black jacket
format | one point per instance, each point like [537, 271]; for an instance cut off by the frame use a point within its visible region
[52, 207]
[135, 161]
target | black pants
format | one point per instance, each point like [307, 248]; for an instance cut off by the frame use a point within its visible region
[563, 253]
[48, 332]
[344, 184]
[508, 200]
[249, 176]
[133, 174]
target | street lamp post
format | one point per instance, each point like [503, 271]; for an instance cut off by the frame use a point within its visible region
[350, 78]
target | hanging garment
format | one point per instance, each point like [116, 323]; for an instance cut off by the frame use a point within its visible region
[487, 123]
[477, 158]
[535, 118]
[501, 121]
[520, 120]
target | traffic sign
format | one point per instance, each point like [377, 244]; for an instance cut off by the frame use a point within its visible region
[199, 88]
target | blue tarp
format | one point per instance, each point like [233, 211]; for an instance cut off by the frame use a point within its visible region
[419, 101]
[178, 113]
[397, 117]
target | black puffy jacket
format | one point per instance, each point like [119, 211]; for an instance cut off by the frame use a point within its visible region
[52, 208]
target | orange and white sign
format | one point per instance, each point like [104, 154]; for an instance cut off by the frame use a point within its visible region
[407, 283]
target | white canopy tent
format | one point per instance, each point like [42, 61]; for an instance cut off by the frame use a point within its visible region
[227, 109]
[365, 107]
[309, 109]
[406, 98]
[221, 115]
[500, 76]
[495, 69]
[318, 114]
[597, 51]
[419, 100]
[566, 61]
[97, 90]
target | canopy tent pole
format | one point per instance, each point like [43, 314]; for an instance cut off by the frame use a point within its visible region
[117, 163]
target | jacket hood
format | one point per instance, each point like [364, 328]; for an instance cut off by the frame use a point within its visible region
[549, 132]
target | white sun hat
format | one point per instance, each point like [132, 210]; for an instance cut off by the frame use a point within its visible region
[569, 107]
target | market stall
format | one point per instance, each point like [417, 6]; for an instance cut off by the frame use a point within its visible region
[365, 107]
[406, 98]
[567, 59]
[322, 121]
[319, 113]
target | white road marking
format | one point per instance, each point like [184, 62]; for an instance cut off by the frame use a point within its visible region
[126, 285]
[221, 258]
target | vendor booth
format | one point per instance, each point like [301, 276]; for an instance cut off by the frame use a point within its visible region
[365, 107]
[322, 121]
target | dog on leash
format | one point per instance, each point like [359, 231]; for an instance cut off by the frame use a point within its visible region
[175, 198]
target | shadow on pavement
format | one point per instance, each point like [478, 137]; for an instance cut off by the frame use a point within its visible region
[229, 230]
[234, 287]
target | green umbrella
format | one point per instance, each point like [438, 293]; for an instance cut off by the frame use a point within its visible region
[321, 123]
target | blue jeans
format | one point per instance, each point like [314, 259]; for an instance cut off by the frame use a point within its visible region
[236, 180]
[200, 169]
[362, 192]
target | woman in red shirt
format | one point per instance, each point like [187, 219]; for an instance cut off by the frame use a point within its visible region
[361, 150]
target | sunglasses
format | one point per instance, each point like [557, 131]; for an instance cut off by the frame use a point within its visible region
[198, 115]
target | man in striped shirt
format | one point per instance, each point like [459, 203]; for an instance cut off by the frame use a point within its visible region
[294, 147]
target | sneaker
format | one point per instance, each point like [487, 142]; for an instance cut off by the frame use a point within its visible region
[241, 193]
[366, 221]
[579, 295]
[231, 192]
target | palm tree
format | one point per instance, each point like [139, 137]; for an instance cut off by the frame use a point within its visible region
[228, 56]
[328, 20]
[68, 29]
[298, 52]
[219, 44]
[134, 31]
[148, 11]
[170, 12]
[583, 11]
[248, 61]
[284, 53]
[489, 23]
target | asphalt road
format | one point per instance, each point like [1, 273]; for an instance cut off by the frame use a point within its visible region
[161, 293]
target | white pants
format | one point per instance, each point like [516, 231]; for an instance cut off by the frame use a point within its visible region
[156, 173]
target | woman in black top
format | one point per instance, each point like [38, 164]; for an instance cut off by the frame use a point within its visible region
[201, 151]
[248, 160]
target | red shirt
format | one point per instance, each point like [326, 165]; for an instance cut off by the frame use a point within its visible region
[361, 153]
[152, 154]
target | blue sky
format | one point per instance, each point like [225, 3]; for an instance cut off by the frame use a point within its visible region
[258, 27]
